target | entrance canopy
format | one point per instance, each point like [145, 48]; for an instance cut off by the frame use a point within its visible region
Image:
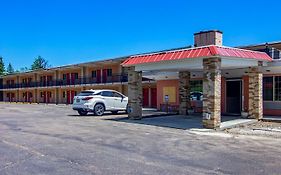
[192, 59]
[212, 61]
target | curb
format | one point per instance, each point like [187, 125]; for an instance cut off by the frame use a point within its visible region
[277, 120]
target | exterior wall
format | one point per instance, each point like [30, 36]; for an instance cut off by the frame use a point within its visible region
[5, 79]
[42, 99]
[73, 70]
[28, 98]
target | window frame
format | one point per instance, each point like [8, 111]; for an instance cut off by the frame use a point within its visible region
[274, 90]
[94, 74]
[109, 72]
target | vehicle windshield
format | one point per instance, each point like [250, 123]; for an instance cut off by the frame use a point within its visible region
[86, 93]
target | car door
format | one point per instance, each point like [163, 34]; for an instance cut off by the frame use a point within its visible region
[120, 102]
[109, 99]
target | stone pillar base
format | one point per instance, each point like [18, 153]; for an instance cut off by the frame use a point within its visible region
[184, 92]
[255, 93]
[212, 93]
[134, 94]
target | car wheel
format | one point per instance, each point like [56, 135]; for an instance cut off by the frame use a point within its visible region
[82, 113]
[114, 112]
[99, 109]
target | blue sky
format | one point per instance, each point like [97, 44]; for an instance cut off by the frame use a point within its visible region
[67, 32]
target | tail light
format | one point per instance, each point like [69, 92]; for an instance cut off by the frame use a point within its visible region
[87, 98]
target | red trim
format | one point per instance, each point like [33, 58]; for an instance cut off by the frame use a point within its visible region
[276, 112]
[198, 52]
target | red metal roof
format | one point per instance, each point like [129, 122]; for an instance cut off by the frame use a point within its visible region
[198, 52]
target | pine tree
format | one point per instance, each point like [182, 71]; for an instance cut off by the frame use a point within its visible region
[2, 66]
[10, 69]
[39, 63]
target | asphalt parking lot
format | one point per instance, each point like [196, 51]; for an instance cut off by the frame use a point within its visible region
[50, 139]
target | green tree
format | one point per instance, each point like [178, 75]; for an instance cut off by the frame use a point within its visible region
[10, 69]
[2, 66]
[39, 63]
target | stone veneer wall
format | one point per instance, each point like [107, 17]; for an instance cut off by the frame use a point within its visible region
[255, 93]
[212, 92]
[184, 91]
[134, 93]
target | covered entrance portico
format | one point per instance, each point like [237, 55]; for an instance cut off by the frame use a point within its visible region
[210, 61]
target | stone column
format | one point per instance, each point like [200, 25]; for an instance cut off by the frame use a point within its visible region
[184, 91]
[255, 93]
[135, 93]
[212, 93]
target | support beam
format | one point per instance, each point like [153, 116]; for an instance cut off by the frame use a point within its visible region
[255, 93]
[184, 92]
[134, 93]
[212, 93]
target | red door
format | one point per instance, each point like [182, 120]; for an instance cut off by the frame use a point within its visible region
[145, 95]
[13, 97]
[153, 97]
[72, 78]
[98, 76]
[44, 97]
[30, 97]
[104, 75]
[72, 96]
[25, 97]
[48, 97]
[68, 78]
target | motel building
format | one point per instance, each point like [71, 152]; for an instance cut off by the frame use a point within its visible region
[208, 78]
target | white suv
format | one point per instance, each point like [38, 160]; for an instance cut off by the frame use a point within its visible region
[98, 101]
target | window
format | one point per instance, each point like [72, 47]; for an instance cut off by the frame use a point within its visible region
[41, 94]
[278, 88]
[86, 93]
[63, 94]
[107, 94]
[115, 94]
[94, 74]
[196, 86]
[109, 72]
[64, 76]
[268, 88]
[76, 76]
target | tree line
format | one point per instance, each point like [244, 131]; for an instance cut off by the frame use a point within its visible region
[38, 63]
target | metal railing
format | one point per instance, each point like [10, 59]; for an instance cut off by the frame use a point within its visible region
[62, 82]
